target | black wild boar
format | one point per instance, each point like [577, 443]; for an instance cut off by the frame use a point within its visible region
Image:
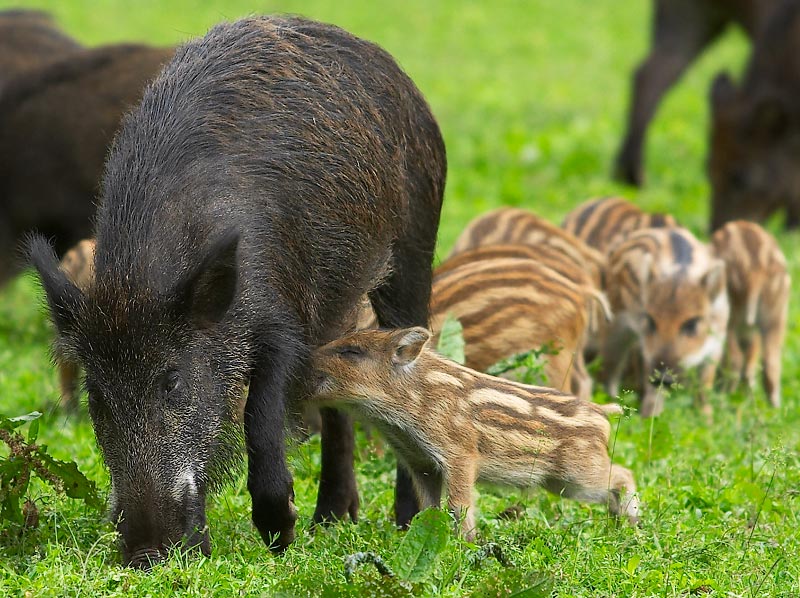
[57, 123]
[754, 158]
[29, 39]
[681, 30]
[275, 171]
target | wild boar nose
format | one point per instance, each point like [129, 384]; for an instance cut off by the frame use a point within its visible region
[664, 377]
[145, 558]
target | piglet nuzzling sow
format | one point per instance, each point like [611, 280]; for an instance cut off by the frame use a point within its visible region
[276, 171]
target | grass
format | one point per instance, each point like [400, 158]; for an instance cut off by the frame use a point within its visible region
[531, 98]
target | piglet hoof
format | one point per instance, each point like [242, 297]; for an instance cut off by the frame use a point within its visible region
[275, 519]
[336, 506]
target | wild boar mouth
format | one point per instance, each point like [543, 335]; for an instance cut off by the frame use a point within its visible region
[145, 558]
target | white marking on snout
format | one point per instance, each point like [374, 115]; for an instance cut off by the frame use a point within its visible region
[185, 484]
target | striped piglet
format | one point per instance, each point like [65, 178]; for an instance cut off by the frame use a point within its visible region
[451, 425]
[758, 287]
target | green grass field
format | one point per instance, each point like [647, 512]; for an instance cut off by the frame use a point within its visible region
[531, 98]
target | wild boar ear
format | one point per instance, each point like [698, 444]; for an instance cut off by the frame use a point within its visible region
[63, 296]
[208, 292]
[723, 90]
[407, 344]
[713, 281]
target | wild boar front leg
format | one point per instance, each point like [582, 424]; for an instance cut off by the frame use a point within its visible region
[460, 485]
[620, 341]
[681, 31]
[268, 479]
[733, 362]
[708, 372]
[751, 343]
[772, 347]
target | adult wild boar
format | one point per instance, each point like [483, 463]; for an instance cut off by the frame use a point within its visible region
[275, 171]
[754, 159]
[57, 123]
[29, 39]
[681, 31]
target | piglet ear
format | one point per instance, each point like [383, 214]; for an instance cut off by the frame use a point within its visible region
[208, 292]
[408, 344]
[723, 90]
[63, 296]
[713, 281]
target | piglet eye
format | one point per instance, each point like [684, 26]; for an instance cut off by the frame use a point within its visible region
[689, 327]
[350, 352]
[649, 324]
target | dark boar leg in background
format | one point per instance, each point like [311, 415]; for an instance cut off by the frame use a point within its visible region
[338, 491]
[268, 480]
[681, 31]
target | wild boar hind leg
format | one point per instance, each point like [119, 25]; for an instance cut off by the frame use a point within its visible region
[428, 484]
[338, 491]
[604, 483]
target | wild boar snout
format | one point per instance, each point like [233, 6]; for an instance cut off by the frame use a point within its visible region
[151, 524]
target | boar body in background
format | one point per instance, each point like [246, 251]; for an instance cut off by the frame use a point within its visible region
[670, 304]
[29, 39]
[57, 124]
[508, 306]
[604, 223]
[277, 170]
[681, 31]
[515, 226]
[754, 157]
[452, 425]
[758, 288]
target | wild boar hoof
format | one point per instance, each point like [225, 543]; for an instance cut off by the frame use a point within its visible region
[627, 170]
[275, 521]
[336, 506]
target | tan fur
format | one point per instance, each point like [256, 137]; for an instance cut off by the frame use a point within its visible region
[667, 292]
[603, 223]
[758, 287]
[515, 226]
[78, 264]
[513, 305]
[452, 425]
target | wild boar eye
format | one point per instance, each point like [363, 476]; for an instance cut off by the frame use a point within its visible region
[172, 384]
[350, 352]
[689, 327]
